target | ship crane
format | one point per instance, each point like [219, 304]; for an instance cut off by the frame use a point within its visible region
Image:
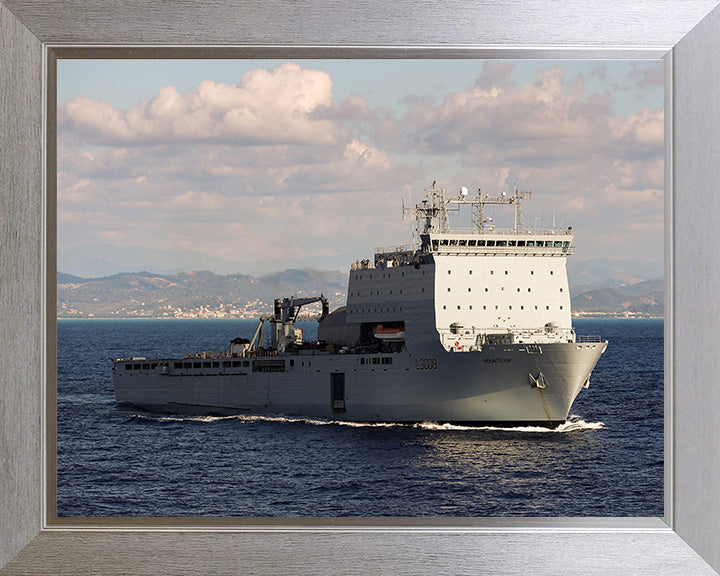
[286, 312]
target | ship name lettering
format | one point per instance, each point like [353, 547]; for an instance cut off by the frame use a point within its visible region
[426, 364]
[496, 360]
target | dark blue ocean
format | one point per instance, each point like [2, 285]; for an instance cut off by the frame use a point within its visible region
[119, 462]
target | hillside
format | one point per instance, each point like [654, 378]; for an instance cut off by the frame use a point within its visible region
[190, 294]
[203, 294]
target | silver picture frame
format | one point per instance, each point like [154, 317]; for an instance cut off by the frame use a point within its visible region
[33, 35]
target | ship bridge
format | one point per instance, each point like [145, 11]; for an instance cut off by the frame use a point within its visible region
[499, 284]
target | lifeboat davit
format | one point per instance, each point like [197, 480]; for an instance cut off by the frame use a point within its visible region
[391, 331]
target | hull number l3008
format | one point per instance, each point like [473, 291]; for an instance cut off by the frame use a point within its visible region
[426, 364]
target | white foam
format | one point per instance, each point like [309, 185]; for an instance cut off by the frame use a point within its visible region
[573, 424]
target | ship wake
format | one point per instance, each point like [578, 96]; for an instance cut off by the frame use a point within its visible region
[573, 424]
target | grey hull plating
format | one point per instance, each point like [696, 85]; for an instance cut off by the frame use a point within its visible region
[496, 385]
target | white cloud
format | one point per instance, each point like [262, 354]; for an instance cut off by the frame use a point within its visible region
[266, 107]
[273, 172]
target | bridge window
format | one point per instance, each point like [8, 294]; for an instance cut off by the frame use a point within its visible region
[471, 242]
[462, 242]
[177, 365]
[453, 242]
[521, 243]
[491, 242]
[481, 243]
[128, 366]
[511, 242]
[531, 243]
[501, 243]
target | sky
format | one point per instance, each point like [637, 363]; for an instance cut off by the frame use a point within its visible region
[254, 166]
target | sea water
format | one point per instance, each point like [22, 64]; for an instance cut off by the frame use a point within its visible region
[114, 461]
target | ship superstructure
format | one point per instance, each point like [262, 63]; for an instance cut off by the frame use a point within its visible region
[467, 325]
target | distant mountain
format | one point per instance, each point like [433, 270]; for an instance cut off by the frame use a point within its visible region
[191, 294]
[644, 298]
[205, 294]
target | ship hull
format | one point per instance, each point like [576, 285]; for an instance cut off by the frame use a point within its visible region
[501, 385]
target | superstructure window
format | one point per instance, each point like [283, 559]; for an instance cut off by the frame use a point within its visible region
[128, 366]
[521, 243]
[471, 242]
[501, 243]
[511, 242]
[177, 365]
[462, 242]
[531, 243]
[491, 242]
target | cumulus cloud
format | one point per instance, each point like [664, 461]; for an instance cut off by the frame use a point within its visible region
[265, 107]
[273, 171]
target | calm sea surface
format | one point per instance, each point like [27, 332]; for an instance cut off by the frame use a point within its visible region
[119, 462]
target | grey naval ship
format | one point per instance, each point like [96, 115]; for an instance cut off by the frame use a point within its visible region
[465, 325]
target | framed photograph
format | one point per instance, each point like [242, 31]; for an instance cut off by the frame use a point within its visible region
[646, 545]
[249, 176]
